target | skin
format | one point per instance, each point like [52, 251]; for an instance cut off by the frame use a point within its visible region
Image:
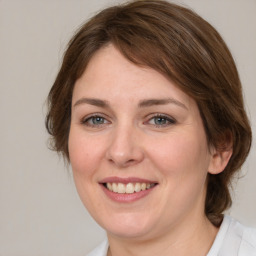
[127, 140]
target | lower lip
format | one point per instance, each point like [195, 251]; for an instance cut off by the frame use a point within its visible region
[126, 198]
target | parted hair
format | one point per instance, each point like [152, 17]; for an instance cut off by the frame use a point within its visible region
[186, 49]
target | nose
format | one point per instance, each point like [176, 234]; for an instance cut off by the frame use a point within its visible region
[125, 147]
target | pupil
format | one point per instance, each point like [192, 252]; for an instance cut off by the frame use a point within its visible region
[98, 120]
[160, 120]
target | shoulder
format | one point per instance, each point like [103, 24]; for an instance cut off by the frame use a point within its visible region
[234, 238]
[248, 243]
[100, 250]
[245, 235]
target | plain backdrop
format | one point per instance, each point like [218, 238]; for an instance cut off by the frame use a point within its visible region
[40, 212]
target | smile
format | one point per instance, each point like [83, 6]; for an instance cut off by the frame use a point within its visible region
[129, 188]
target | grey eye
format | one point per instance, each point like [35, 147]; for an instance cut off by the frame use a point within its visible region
[97, 120]
[94, 121]
[160, 120]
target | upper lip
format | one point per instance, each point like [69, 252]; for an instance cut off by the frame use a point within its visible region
[127, 180]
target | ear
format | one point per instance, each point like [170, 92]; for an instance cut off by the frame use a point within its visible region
[219, 160]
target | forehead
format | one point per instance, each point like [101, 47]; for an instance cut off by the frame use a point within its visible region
[110, 75]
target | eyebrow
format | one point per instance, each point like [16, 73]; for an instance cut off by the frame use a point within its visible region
[153, 102]
[92, 101]
[142, 103]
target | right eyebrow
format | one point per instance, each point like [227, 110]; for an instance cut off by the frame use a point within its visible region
[92, 101]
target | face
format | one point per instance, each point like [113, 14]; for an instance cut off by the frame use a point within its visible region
[137, 147]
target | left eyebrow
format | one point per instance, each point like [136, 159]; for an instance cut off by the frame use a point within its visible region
[153, 102]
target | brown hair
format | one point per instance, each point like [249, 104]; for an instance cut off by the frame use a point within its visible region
[185, 48]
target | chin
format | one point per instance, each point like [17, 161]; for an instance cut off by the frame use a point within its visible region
[128, 226]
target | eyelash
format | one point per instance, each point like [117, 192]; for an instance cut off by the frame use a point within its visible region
[86, 120]
[169, 121]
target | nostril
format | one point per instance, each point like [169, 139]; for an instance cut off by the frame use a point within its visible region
[123, 153]
[122, 163]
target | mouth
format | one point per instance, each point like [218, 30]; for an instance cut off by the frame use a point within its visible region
[128, 188]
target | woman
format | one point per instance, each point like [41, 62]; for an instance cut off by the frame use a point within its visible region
[148, 109]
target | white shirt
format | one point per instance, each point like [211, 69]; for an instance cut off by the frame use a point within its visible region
[233, 239]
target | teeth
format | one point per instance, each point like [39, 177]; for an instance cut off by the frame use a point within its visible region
[143, 186]
[109, 186]
[114, 187]
[129, 188]
[137, 187]
[121, 188]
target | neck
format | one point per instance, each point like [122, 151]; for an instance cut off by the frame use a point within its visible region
[186, 238]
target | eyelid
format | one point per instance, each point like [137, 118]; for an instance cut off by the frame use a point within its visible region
[169, 118]
[84, 120]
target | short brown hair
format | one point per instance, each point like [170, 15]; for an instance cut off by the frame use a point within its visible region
[178, 43]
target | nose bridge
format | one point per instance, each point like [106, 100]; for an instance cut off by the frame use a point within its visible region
[124, 148]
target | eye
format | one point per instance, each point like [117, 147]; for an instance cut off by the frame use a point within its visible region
[161, 121]
[95, 121]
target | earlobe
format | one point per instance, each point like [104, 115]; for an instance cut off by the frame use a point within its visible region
[219, 160]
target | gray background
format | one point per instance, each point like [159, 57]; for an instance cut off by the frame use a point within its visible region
[40, 212]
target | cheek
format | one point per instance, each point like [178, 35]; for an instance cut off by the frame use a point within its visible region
[182, 156]
[84, 152]
[85, 155]
[182, 163]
